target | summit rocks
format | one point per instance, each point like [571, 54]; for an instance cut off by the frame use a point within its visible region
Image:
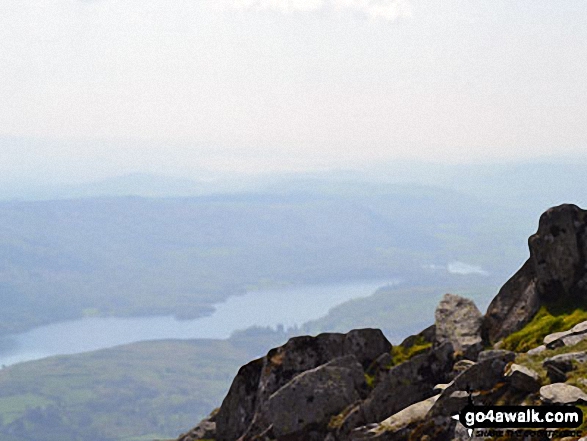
[555, 271]
[355, 386]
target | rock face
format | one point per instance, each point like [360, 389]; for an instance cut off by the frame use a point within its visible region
[459, 322]
[555, 271]
[313, 397]
[303, 373]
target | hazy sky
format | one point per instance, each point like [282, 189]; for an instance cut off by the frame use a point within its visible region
[270, 84]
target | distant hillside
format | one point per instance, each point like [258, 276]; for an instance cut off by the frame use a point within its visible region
[62, 259]
[135, 392]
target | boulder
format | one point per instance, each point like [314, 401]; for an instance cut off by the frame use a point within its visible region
[408, 383]
[558, 251]
[567, 338]
[481, 380]
[396, 426]
[310, 399]
[459, 322]
[558, 366]
[555, 271]
[522, 378]
[561, 393]
[242, 411]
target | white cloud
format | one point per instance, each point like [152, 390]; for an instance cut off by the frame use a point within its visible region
[377, 9]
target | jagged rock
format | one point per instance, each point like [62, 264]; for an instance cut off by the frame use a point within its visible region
[366, 345]
[395, 427]
[561, 393]
[206, 429]
[514, 305]
[313, 397]
[558, 251]
[238, 407]
[241, 411]
[380, 367]
[459, 322]
[485, 376]
[522, 378]
[556, 270]
[558, 366]
[408, 383]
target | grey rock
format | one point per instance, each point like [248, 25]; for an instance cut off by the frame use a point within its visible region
[555, 336]
[536, 350]
[573, 339]
[408, 383]
[243, 410]
[482, 377]
[580, 328]
[459, 322]
[556, 270]
[558, 366]
[313, 397]
[561, 393]
[238, 407]
[366, 345]
[492, 353]
[557, 251]
[514, 305]
[522, 378]
[396, 426]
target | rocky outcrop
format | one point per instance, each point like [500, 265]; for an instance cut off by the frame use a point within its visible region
[313, 397]
[555, 271]
[347, 387]
[264, 390]
[458, 321]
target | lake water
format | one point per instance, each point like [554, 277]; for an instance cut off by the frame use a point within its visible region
[288, 307]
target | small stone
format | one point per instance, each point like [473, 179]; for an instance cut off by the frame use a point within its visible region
[523, 378]
[580, 328]
[561, 393]
[550, 338]
[536, 350]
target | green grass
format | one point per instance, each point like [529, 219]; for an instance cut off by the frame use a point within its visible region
[137, 392]
[548, 319]
[400, 353]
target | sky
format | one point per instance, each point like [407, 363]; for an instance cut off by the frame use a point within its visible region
[91, 88]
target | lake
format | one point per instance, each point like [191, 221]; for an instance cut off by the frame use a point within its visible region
[287, 307]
